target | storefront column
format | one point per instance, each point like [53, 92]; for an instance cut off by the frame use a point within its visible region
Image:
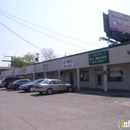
[33, 76]
[78, 83]
[58, 74]
[44, 74]
[105, 78]
[34, 73]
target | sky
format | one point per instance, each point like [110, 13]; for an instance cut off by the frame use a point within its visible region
[79, 20]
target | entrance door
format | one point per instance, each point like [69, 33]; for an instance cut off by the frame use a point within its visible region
[99, 79]
[71, 78]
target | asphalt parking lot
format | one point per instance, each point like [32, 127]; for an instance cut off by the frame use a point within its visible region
[61, 111]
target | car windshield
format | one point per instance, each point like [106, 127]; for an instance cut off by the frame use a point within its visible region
[16, 81]
[38, 81]
[46, 81]
[20, 80]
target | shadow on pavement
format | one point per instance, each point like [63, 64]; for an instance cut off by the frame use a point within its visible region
[44, 94]
[20, 91]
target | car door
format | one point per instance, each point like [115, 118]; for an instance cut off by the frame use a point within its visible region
[21, 82]
[16, 84]
[53, 84]
[62, 86]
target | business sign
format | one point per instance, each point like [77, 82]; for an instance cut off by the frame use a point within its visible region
[99, 57]
[67, 63]
[24, 70]
[116, 72]
[119, 22]
[2, 73]
[45, 66]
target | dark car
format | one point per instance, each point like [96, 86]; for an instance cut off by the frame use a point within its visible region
[17, 83]
[7, 80]
[27, 87]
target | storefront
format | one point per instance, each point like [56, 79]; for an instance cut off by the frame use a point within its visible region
[39, 75]
[106, 68]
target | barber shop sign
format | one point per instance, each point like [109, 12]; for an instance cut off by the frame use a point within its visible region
[67, 63]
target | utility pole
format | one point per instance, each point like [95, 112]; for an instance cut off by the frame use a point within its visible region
[65, 53]
[11, 61]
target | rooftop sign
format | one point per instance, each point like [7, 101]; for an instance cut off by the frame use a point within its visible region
[119, 22]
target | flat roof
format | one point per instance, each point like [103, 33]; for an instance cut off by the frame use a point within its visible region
[6, 68]
[113, 46]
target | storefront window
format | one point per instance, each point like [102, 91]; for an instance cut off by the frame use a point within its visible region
[84, 75]
[115, 74]
[39, 75]
[24, 76]
[30, 76]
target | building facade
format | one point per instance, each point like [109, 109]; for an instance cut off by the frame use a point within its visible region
[106, 68]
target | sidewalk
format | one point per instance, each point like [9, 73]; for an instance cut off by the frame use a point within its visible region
[111, 92]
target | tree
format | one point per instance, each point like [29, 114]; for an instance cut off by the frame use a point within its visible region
[27, 59]
[48, 54]
[18, 62]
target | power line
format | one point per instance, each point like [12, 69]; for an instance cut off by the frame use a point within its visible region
[19, 36]
[44, 33]
[49, 29]
[9, 48]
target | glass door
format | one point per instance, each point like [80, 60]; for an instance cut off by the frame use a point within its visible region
[99, 79]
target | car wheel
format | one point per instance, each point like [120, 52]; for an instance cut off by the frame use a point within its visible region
[25, 90]
[70, 89]
[49, 91]
[41, 92]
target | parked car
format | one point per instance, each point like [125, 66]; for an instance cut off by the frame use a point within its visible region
[7, 80]
[27, 87]
[52, 85]
[17, 83]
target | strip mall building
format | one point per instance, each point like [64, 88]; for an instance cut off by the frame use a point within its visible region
[106, 68]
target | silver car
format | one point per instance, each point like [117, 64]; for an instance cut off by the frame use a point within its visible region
[52, 85]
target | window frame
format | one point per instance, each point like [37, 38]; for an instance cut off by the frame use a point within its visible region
[116, 79]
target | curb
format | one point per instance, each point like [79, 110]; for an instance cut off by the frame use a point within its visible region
[103, 93]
